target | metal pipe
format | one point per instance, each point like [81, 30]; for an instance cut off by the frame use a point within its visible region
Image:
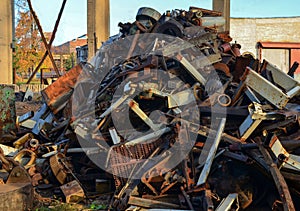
[211, 154]
[50, 42]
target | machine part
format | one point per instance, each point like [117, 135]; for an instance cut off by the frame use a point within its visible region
[145, 13]
[42, 124]
[21, 158]
[224, 100]
[268, 90]
[33, 144]
[250, 124]
[28, 95]
[114, 136]
[181, 98]
[150, 203]
[24, 117]
[279, 180]
[73, 192]
[236, 49]
[226, 203]
[255, 117]
[281, 79]
[18, 175]
[206, 169]
[171, 27]
[136, 109]
[225, 47]
[191, 69]
[223, 67]
[8, 111]
[58, 169]
[289, 161]
[21, 141]
[36, 178]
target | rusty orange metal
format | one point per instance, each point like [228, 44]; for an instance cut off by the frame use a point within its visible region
[57, 94]
[283, 45]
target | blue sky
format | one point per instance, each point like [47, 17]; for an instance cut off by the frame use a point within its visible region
[73, 22]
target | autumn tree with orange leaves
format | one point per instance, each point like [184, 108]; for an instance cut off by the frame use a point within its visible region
[29, 47]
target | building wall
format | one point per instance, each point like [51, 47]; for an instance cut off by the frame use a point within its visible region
[249, 31]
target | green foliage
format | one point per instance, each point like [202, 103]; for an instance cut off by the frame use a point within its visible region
[69, 63]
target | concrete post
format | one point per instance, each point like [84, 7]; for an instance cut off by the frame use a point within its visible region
[98, 16]
[224, 7]
[6, 70]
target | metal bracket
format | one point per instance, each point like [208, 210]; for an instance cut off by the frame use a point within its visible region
[290, 161]
[268, 90]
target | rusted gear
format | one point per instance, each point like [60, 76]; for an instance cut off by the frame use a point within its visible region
[171, 27]
[58, 166]
[148, 13]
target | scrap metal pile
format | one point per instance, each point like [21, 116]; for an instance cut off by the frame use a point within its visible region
[169, 115]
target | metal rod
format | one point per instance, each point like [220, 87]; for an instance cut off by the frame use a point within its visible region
[43, 37]
[212, 152]
[50, 42]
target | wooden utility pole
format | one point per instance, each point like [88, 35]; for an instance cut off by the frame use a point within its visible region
[224, 7]
[98, 22]
[6, 41]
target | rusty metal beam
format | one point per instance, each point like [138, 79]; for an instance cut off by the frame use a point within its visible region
[50, 42]
[280, 45]
[224, 7]
[43, 37]
[279, 180]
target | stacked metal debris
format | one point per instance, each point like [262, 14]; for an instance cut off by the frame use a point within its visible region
[175, 116]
